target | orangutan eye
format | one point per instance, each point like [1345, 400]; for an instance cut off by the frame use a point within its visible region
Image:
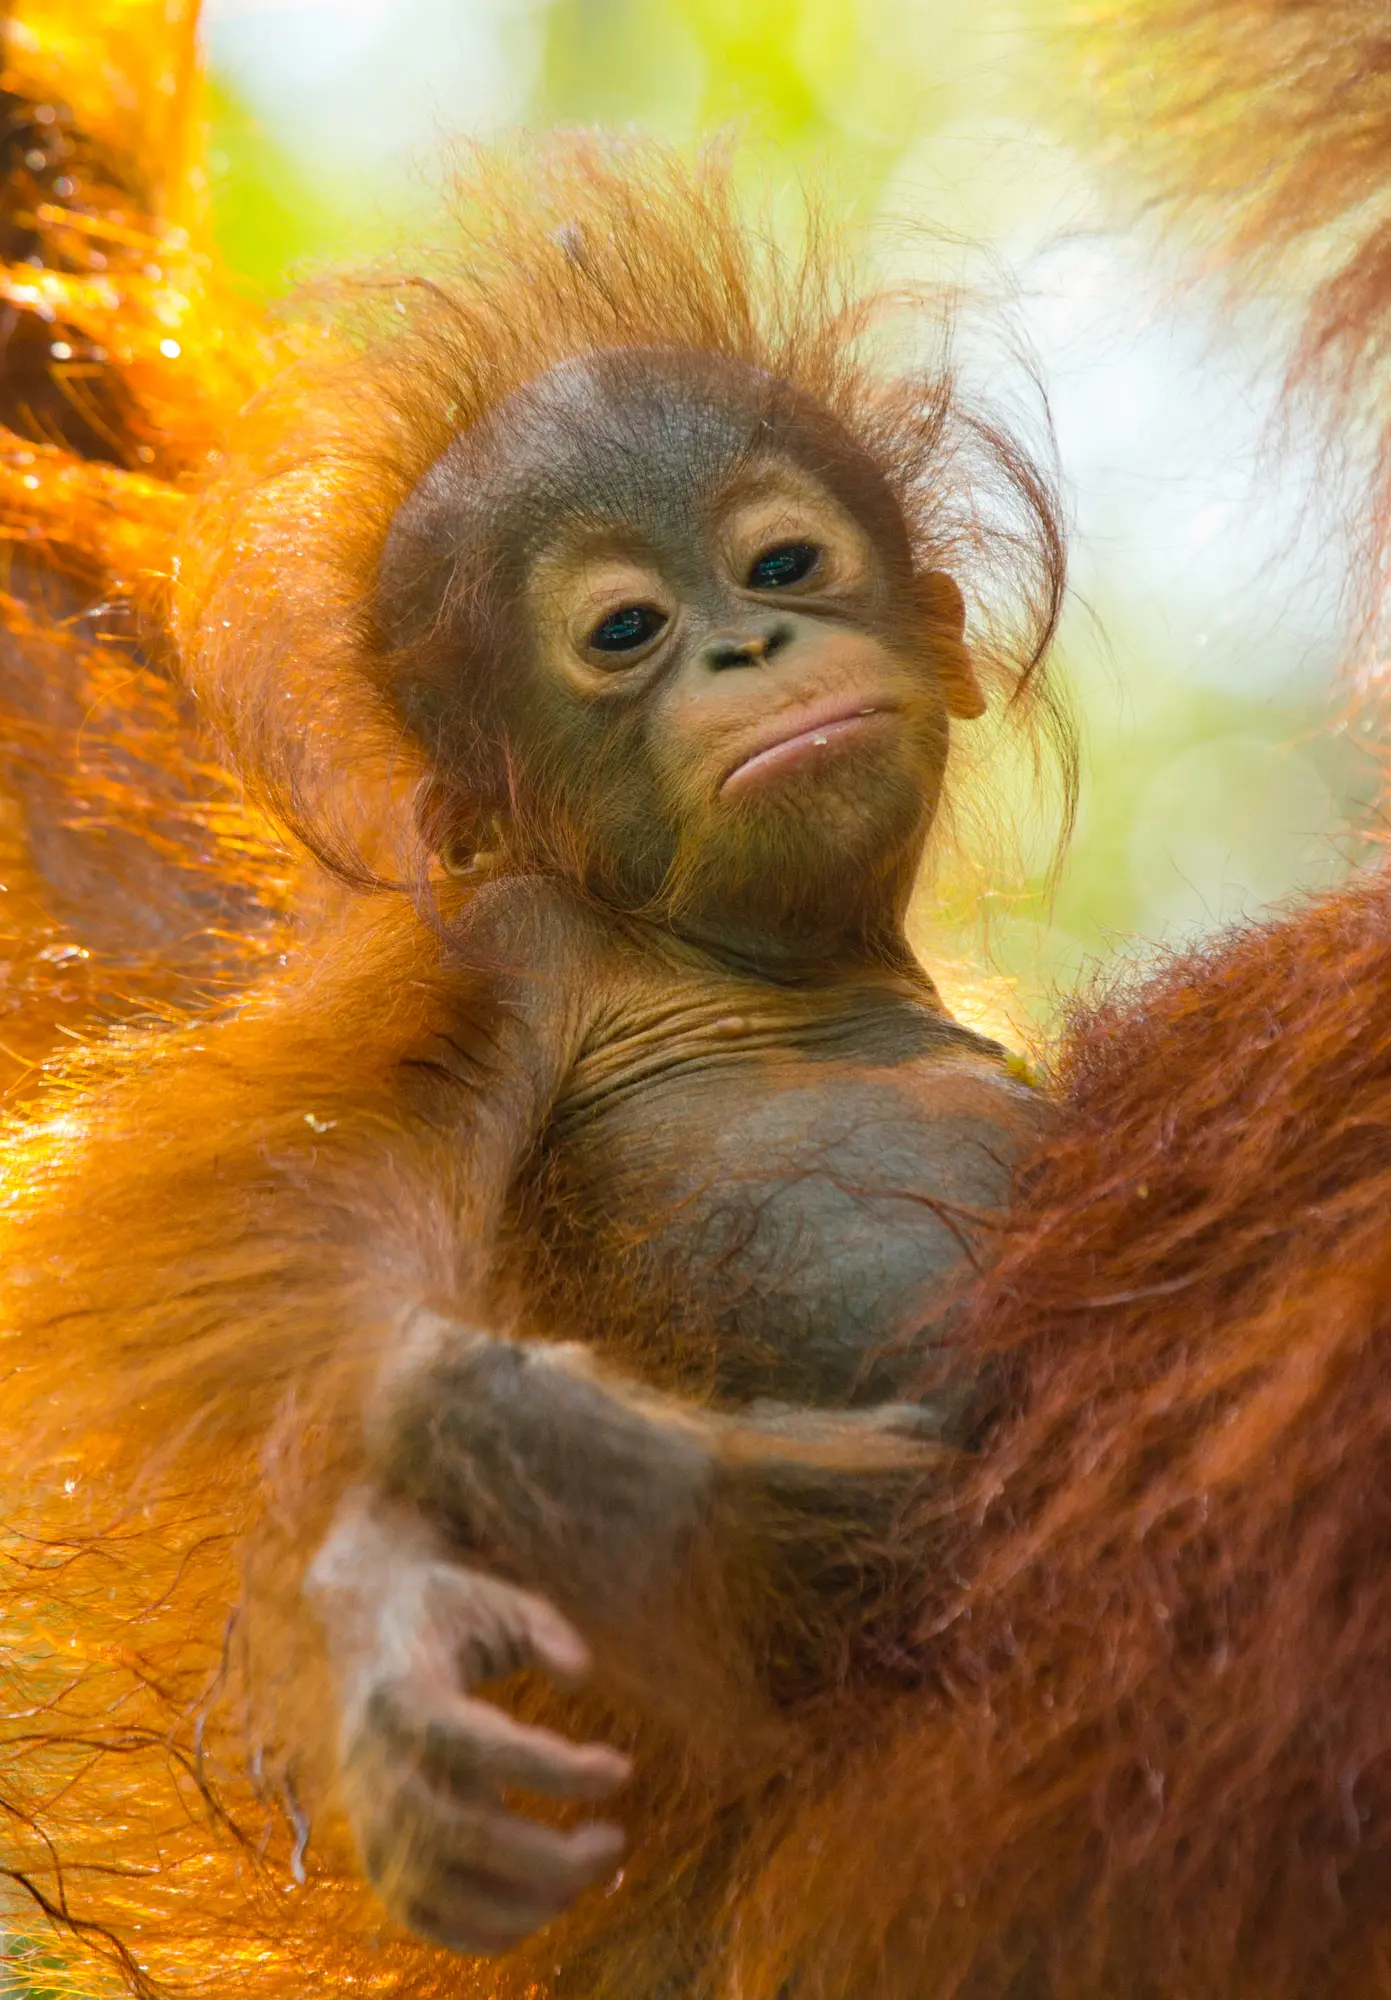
[789, 562]
[624, 631]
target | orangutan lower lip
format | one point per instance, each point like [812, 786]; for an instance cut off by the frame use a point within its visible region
[812, 734]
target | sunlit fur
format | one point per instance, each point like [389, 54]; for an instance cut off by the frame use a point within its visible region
[134, 876]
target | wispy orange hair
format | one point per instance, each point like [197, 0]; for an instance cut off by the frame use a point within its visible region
[559, 248]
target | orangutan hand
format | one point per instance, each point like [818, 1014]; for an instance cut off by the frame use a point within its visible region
[424, 1763]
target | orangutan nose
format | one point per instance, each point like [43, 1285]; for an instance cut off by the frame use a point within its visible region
[751, 649]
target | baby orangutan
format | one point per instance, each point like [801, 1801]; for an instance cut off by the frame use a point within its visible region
[555, 1267]
[660, 615]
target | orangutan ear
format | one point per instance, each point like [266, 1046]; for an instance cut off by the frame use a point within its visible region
[471, 848]
[943, 610]
[452, 832]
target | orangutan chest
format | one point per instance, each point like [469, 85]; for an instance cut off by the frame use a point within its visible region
[780, 1228]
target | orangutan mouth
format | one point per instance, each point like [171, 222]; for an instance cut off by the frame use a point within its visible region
[815, 734]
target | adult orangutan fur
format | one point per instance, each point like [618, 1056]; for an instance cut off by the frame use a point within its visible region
[1135, 1740]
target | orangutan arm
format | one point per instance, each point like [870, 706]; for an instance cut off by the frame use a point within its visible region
[674, 1537]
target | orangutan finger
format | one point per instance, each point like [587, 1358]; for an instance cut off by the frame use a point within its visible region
[428, 1837]
[476, 1917]
[502, 1630]
[531, 1859]
[472, 1747]
[477, 1747]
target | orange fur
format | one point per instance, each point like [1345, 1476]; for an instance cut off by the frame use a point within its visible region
[135, 876]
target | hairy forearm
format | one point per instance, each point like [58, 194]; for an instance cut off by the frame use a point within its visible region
[218, 1227]
[529, 1459]
[621, 1504]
